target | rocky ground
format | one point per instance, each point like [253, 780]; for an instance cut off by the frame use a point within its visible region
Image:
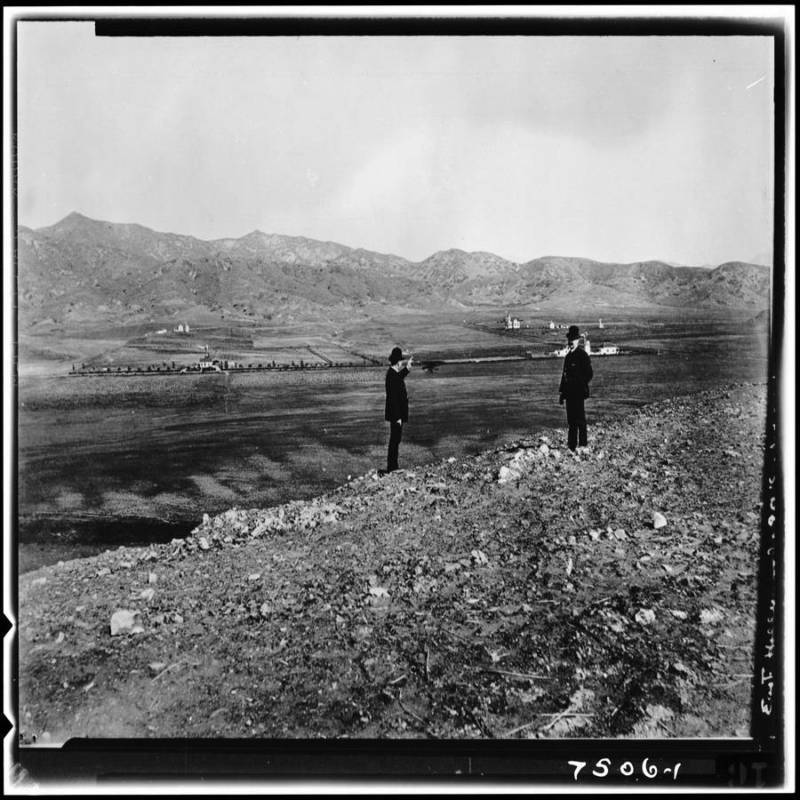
[520, 593]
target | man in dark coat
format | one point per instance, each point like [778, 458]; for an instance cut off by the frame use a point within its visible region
[574, 388]
[396, 402]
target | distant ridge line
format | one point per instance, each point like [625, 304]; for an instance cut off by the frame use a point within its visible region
[76, 216]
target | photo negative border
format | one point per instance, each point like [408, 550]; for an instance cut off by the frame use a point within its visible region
[759, 761]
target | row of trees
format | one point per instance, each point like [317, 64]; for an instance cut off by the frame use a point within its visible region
[85, 369]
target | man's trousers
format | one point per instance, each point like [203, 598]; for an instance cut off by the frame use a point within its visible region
[576, 420]
[395, 435]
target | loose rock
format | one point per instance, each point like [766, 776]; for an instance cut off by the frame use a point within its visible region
[645, 616]
[123, 622]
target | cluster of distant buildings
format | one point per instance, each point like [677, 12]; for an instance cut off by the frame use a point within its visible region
[603, 350]
[181, 327]
[515, 324]
[560, 325]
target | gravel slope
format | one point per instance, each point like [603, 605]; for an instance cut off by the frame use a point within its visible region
[523, 592]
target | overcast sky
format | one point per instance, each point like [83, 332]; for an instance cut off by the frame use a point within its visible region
[617, 149]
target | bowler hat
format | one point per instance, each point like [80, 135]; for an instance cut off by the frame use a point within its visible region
[573, 332]
[397, 355]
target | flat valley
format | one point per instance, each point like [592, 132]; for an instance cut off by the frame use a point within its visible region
[116, 459]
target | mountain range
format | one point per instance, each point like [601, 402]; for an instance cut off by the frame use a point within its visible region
[84, 271]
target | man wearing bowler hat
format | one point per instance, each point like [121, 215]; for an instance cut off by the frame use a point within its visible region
[396, 402]
[574, 388]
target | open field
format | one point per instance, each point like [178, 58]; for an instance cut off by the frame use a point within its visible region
[106, 461]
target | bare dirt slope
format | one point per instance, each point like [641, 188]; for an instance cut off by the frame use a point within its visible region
[523, 592]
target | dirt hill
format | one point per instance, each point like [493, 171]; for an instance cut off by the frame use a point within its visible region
[521, 593]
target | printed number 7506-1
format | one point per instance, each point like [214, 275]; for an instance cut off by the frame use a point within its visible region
[603, 768]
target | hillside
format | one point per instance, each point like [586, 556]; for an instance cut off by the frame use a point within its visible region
[520, 593]
[81, 271]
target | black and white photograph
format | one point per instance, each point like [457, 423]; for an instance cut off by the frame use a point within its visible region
[399, 385]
